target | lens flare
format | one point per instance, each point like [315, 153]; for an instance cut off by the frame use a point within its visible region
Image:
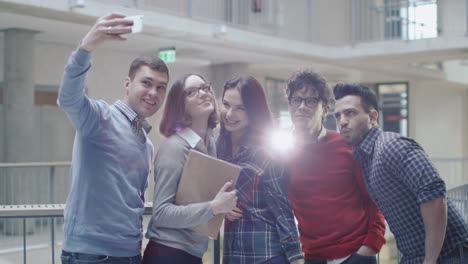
[282, 140]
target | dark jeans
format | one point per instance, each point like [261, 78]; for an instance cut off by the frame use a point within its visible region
[353, 259]
[156, 253]
[81, 258]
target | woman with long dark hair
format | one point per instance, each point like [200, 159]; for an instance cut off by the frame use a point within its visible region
[189, 116]
[261, 229]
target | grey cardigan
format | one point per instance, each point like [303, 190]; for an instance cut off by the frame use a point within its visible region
[171, 224]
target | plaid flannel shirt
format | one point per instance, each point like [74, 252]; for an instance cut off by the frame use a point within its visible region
[138, 125]
[267, 227]
[400, 177]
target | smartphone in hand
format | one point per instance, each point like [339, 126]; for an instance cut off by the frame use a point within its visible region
[137, 23]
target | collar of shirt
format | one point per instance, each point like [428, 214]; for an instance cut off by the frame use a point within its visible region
[364, 149]
[131, 115]
[190, 136]
[196, 142]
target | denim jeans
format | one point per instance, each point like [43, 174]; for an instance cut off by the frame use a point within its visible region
[82, 258]
[353, 259]
[359, 259]
[156, 253]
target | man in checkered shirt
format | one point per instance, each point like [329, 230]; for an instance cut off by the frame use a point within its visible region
[403, 183]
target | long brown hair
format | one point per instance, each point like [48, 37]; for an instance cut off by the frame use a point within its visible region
[256, 106]
[174, 117]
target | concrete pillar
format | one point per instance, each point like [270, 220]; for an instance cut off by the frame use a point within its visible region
[18, 111]
[465, 141]
[223, 72]
[18, 95]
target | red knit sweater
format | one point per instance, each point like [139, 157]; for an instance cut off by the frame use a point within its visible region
[330, 201]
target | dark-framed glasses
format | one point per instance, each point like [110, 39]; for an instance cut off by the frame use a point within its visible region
[296, 101]
[195, 91]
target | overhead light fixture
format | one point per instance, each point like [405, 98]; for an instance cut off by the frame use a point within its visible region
[220, 30]
[76, 3]
[434, 66]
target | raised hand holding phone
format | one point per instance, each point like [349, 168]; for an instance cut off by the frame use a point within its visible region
[109, 27]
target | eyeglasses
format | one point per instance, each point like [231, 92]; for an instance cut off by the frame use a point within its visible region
[296, 101]
[191, 92]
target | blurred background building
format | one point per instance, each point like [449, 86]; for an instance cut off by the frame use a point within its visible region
[414, 53]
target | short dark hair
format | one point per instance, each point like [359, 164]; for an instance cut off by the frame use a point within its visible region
[367, 95]
[152, 61]
[174, 117]
[310, 80]
[256, 107]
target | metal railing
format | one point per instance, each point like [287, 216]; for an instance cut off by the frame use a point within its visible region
[370, 20]
[44, 176]
[393, 20]
[21, 214]
[31, 183]
[258, 16]
[41, 242]
[26, 230]
[26, 225]
[459, 197]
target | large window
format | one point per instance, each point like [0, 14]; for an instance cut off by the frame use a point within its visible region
[393, 103]
[410, 19]
[393, 106]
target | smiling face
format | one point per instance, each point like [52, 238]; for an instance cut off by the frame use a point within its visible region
[145, 93]
[199, 100]
[353, 121]
[307, 118]
[233, 113]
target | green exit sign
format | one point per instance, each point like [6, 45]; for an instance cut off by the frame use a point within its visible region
[167, 54]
